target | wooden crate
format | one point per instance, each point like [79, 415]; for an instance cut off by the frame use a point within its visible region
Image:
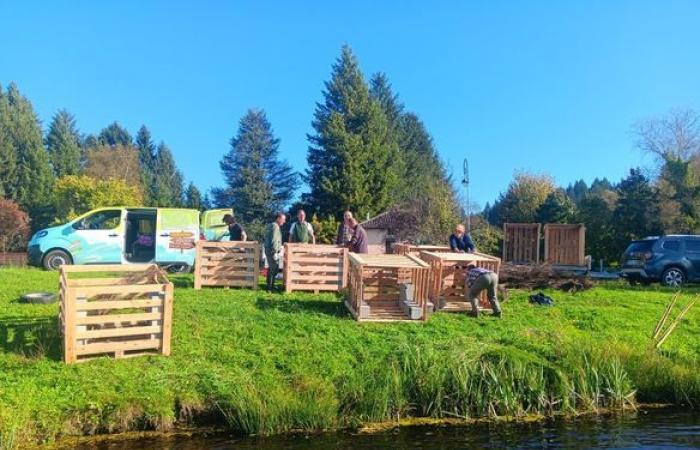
[521, 243]
[565, 244]
[400, 248]
[227, 264]
[309, 267]
[375, 283]
[114, 310]
[448, 275]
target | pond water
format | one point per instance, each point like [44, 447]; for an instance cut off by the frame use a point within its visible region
[645, 429]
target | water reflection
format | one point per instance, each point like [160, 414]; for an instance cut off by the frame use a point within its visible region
[652, 429]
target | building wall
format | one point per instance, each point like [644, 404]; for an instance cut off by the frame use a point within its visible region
[376, 240]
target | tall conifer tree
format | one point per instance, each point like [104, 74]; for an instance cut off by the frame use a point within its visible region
[63, 144]
[353, 157]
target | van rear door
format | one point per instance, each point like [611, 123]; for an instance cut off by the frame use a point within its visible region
[177, 231]
[212, 226]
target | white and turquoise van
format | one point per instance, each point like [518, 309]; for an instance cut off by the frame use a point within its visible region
[123, 235]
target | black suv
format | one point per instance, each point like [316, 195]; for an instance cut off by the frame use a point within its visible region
[673, 260]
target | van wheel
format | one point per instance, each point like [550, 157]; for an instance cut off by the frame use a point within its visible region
[55, 259]
[673, 277]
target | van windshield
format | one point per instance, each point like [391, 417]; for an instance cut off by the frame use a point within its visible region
[216, 218]
[641, 246]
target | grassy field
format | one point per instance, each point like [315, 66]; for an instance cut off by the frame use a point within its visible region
[269, 363]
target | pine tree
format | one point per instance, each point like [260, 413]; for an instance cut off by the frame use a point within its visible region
[353, 156]
[147, 160]
[637, 212]
[114, 134]
[258, 182]
[63, 144]
[193, 198]
[8, 155]
[168, 179]
[381, 91]
[31, 179]
[557, 208]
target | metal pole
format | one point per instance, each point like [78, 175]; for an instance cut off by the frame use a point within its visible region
[465, 182]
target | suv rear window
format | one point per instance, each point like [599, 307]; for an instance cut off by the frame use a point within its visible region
[641, 246]
[692, 245]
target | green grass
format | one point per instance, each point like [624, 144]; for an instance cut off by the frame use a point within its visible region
[269, 363]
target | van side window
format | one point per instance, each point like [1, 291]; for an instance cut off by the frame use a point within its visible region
[692, 245]
[672, 245]
[102, 220]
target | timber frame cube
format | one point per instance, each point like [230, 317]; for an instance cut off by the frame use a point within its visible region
[114, 310]
[227, 264]
[388, 287]
[400, 248]
[521, 243]
[447, 290]
[315, 267]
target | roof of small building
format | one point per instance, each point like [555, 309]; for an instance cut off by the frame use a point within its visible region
[392, 219]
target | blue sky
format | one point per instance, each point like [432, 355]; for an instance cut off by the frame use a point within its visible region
[540, 86]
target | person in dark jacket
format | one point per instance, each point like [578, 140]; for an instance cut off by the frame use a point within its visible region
[358, 242]
[460, 241]
[235, 230]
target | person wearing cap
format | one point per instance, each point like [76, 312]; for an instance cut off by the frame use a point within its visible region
[235, 230]
[477, 280]
[460, 241]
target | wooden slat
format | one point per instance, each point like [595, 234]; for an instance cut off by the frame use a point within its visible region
[106, 268]
[118, 332]
[90, 291]
[109, 318]
[142, 344]
[117, 304]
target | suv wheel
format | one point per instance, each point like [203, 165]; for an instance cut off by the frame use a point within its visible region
[673, 277]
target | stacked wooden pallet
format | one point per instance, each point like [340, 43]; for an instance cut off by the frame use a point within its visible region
[564, 244]
[316, 268]
[375, 287]
[400, 248]
[521, 243]
[227, 264]
[115, 310]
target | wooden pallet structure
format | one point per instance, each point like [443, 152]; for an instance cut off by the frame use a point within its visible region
[521, 243]
[375, 286]
[315, 267]
[448, 275]
[227, 264]
[401, 248]
[120, 311]
[565, 246]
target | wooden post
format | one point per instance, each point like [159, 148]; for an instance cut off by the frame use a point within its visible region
[167, 319]
[69, 326]
[198, 266]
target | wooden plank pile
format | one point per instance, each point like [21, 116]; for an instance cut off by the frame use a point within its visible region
[316, 268]
[120, 311]
[447, 290]
[376, 285]
[227, 264]
[542, 276]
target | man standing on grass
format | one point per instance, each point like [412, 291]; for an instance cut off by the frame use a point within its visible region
[301, 231]
[272, 245]
[344, 230]
[460, 241]
[235, 230]
[476, 280]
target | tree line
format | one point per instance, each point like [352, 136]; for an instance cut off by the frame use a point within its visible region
[368, 153]
[664, 199]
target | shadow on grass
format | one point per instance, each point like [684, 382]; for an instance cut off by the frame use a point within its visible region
[293, 306]
[34, 338]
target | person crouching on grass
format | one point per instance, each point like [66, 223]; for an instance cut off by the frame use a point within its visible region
[476, 280]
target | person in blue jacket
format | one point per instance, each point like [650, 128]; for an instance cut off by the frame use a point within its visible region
[460, 241]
